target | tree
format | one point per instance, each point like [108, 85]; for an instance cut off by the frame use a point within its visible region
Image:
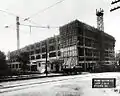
[118, 58]
[24, 60]
[3, 64]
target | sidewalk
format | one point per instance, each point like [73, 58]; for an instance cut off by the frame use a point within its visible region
[34, 76]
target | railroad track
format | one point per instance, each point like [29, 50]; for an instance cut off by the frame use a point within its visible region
[29, 85]
[23, 85]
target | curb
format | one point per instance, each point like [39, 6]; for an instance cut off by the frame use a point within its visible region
[27, 78]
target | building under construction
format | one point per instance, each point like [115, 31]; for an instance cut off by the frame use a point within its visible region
[78, 44]
[85, 46]
[37, 55]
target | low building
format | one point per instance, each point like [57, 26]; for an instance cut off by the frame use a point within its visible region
[37, 55]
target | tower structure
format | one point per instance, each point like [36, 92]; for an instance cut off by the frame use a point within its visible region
[100, 22]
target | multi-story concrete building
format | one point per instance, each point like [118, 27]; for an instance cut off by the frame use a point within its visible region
[77, 45]
[37, 55]
[85, 46]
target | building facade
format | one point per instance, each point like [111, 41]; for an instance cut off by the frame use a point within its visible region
[37, 55]
[77, 45]
[85, 46]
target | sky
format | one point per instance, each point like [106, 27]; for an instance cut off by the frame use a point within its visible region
[60, 14]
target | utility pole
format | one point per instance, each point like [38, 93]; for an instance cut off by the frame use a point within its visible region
[17, 28]
[115, 8]
[48, 27]
[46, 57]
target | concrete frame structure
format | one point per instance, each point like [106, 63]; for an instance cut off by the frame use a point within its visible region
[37, 55]
[77, 45]
[90, 46]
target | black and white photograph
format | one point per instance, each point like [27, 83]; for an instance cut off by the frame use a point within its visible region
[59, 48]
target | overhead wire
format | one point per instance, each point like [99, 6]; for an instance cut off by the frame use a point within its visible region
[28, 19]
[12, 14]
[43, 10]
[39, 26]
[8, 12]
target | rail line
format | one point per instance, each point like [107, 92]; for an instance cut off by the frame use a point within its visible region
[29, 85]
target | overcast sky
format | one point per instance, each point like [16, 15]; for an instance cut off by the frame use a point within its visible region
[62, 13]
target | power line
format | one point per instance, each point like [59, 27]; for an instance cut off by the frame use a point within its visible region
[113, 2]
[40, 26]
[115, 8]
[15, 15]
[8, 13]
[43, 10]
[28, 19]
[12, 14]
[44, 27]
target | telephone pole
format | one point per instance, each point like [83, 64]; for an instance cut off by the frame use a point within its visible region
[17, 29]
[115, 8]
[46, 71]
